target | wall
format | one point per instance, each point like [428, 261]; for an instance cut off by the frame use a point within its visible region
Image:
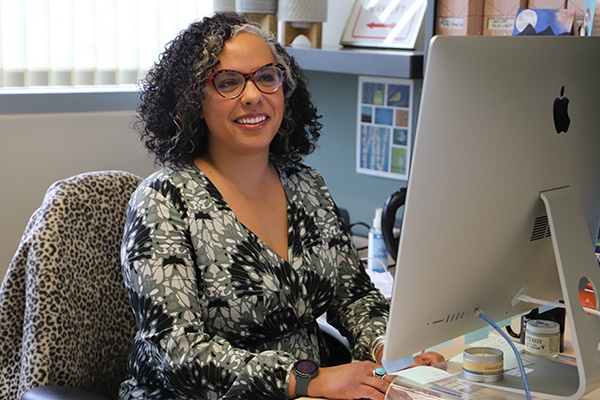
[335, 96]
[38, 149]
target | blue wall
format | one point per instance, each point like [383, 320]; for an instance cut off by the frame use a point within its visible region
[335, 96]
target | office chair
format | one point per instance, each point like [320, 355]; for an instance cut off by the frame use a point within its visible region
[65, 321]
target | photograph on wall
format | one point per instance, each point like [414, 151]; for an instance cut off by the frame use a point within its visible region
[384, 127]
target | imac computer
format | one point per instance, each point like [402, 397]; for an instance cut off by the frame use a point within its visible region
[503, 199]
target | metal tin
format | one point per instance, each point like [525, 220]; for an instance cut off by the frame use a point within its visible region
[483, 364]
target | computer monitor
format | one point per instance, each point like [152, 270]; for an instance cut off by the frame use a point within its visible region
[493, 145]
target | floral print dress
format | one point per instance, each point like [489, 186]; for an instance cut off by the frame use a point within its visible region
[220, 315]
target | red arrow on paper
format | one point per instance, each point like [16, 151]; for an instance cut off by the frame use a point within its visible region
[376, 25]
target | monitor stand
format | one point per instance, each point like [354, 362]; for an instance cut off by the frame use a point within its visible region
[577, 266]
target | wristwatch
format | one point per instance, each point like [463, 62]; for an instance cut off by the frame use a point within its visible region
[304, 371]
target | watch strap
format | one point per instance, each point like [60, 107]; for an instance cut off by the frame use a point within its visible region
[302, 386]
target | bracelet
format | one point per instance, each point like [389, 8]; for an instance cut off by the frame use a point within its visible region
[377, 346]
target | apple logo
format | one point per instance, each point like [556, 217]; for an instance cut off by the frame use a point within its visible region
[561, 112]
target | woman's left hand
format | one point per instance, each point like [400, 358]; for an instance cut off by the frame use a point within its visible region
[428, 358]
[425, 358]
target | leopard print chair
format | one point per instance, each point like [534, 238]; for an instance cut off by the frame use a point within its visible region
[65, 320]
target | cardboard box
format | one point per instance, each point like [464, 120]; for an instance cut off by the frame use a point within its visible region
[459, 17]
[576, 5]
[499, 16]
[552, 4]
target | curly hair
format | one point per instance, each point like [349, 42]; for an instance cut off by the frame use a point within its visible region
[173, 91]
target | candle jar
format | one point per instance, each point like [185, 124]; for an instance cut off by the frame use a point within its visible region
[483, 364]
[542, 338]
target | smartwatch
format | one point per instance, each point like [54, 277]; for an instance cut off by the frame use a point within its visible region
[304, 371]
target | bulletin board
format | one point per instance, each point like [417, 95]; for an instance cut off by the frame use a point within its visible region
[384, 127]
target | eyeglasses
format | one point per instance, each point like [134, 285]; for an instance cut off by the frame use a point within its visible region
[230, 84]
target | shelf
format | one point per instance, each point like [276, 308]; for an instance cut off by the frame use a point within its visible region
[388, 63]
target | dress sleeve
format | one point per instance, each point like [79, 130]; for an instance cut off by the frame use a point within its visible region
[359, 310]
[173, 356]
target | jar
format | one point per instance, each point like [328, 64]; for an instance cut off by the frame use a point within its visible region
[542, 337]
[483, 364]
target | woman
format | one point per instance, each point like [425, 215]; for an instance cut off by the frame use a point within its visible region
[234, 248]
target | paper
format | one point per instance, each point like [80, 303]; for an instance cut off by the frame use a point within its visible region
[423, 374]
[383, 281]
[545, 22]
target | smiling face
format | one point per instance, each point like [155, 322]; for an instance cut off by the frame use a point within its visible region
[246, 124]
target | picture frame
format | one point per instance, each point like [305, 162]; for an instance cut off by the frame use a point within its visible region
[392, 24]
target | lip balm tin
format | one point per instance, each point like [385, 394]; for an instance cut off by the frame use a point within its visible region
[542, 337]
[483, 364]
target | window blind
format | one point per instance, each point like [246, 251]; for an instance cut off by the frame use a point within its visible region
[87, 42]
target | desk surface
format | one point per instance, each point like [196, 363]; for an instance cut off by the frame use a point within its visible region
[457, 346]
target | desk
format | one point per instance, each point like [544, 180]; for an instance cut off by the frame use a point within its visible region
[457, 345]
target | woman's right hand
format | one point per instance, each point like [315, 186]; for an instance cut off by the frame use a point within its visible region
[348, 381]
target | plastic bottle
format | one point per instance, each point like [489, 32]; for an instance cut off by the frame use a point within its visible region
[377, 254]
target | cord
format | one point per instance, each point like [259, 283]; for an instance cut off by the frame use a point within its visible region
[533, 300]
[377, 260]
[481, 315]
[359, 223]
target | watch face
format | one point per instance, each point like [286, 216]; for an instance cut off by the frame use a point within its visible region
[306, 367]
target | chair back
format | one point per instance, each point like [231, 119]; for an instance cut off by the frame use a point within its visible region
[65, 318]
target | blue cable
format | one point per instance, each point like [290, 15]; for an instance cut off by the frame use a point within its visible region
[481, 315]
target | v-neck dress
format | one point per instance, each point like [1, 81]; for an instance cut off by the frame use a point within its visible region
[219, 314]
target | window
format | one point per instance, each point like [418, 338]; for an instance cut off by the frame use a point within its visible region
[87, 42]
